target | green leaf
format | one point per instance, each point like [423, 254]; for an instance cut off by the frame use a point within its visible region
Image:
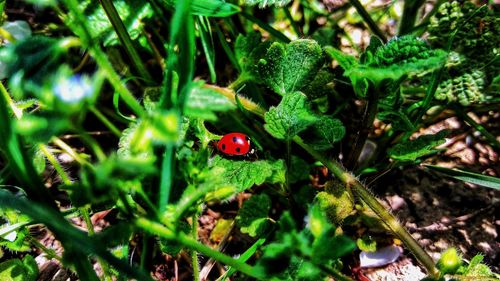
[290, 117]
[266, 3]
[331, 247]
[289, 68]
[321, 86]
[324, 133]
[345, 61]
[475, 178]
[132, 13]
[204, 102]
[335, 202]
[245, 174]
[208, 8]
[249, 50]
[19, 29]
[33, 58]
[423, 145]
[395, 71]
[253, 216]
[17, 270]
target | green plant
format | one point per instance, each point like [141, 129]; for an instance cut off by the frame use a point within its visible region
[158, 167]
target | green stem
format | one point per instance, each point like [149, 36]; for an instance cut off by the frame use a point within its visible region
[490, 137]
[166, 177]
[294, 25]
[51, 254]
[124, 38]
[409, 17]
[194, 254]
[386, 217]
[277, 34]
[68, 149]
[333, 272]
[227, 49]
[90, 228]
[420, 27]
[94, 146]
[368, 20]
[160, 230]
[79, 23]
[358, 189]
[105, 121]
[57, 166]
[368, 118]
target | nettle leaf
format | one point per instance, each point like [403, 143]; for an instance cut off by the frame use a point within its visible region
[132, 13]
[290, 117]
[208, 8]
[266, 3]
[406, 55]
[253, 216]
[245, 174]
[289, 68]
[421, 146]
[321, 86]
[324, 133]
[204, 102]
[248, 51]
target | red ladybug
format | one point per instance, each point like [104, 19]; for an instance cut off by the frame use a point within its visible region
[235, 144]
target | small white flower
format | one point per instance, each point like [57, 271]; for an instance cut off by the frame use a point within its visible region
[73, 89]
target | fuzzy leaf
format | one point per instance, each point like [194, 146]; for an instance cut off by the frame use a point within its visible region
[423, 145]
[253, 216]
[245, 174]
[203, 103]
[288, 68]
[324, 133]
[290, 117]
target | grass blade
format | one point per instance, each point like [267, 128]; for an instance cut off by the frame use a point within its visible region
[475, 178]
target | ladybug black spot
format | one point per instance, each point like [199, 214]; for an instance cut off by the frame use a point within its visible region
[234, 139]
[238, 149]
[223, 147]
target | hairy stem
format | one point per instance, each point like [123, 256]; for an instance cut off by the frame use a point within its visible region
[160, 230]
[357, 188]
[410, 13]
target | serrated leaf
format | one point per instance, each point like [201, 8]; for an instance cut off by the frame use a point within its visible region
[423, 145]
[395, 71]
[245, 174]
[475, 178]
[290, 117]
[208, 8]
[324, 133]
[204, 102]
[253, 217]
[321, 86]
[289, 68]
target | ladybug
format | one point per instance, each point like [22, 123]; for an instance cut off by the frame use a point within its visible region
[235, 144]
